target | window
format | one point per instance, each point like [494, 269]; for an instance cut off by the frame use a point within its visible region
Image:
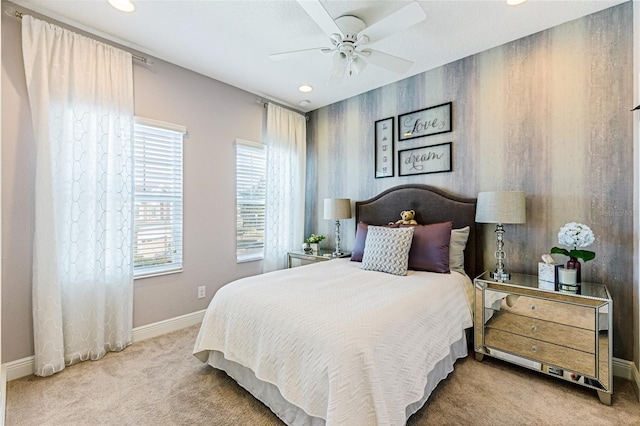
[251, 162]
[157, 220]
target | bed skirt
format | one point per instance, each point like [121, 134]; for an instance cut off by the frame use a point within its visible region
[292, 415]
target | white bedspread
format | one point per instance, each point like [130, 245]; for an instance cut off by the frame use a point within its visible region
[353, 347]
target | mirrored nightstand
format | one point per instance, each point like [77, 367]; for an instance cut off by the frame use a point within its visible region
[563, 335]
[300, 258]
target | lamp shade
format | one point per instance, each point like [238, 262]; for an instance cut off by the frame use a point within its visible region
[337, 208]
[501, 207]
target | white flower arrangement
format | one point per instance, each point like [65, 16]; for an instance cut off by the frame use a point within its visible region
[575, 236]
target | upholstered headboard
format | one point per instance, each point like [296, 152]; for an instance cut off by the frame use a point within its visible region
[432, 205]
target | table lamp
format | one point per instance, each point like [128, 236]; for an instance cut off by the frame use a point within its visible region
[336, 209]
[500, 207]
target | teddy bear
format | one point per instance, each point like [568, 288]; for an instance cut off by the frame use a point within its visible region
[407, 218]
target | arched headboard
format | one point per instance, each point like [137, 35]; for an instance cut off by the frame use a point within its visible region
[432, 205]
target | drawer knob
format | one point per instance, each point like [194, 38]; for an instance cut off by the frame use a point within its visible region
[534, 328]
[533, 307]
[534, 349]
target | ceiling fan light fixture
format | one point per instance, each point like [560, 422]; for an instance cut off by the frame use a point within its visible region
[123, 5]
[358, 64]
[305, 88]
[340, 64]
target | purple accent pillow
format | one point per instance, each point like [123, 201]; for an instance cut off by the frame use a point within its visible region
[361, 237]
[430, 247]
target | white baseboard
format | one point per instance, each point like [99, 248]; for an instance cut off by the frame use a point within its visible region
[3, 392]
[20, 368]
[167, 326]
[627, 370]
[635, 380]
[25, 366]
[622, 368]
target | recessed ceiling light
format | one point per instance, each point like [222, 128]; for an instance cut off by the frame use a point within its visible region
[304, 102]
[515, 2]
[123, 5]
[305, 88]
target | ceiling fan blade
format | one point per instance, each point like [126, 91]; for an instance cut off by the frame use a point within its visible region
[384, 60]
[319, 14]
[296, 53]
[409, 15]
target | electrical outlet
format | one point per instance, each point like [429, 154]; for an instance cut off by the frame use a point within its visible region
[202, 292]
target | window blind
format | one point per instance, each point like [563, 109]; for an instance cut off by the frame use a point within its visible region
[251, 162]
[158, 197]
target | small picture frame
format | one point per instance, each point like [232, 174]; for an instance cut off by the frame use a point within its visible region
[384, 148]
[425, 160]
[425, 122]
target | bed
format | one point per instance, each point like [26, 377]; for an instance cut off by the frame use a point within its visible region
[332, 343]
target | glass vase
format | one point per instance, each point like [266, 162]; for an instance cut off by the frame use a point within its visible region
[574, 263]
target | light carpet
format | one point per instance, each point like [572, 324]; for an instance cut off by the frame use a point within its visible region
[159, 382]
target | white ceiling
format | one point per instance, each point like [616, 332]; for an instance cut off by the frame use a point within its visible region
[230, 40]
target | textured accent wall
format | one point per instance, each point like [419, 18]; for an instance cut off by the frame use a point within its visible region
[547, 114]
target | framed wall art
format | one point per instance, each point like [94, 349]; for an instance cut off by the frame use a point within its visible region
[384, 148]
[425, 122]
[426, 159]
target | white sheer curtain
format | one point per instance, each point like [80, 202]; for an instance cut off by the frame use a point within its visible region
[81, 98]
[286, 141]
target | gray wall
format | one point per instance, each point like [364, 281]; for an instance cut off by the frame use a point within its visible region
[214, 114]
[547, 114]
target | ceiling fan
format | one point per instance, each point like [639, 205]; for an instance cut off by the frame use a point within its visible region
[349, 34]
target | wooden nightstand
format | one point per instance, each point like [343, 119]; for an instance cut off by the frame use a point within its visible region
[300, 258]
[564, 335]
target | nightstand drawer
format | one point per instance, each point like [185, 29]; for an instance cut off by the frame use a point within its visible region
[559, 334]
[550, 310]
[548, 353]
[311, 257]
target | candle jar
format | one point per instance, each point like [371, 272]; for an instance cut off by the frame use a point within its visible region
[568, 280]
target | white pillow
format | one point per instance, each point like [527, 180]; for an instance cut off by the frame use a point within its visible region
[387, 249]
[457, 245]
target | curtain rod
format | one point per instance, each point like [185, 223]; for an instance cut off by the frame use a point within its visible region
[140, 58]
[265, 102]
